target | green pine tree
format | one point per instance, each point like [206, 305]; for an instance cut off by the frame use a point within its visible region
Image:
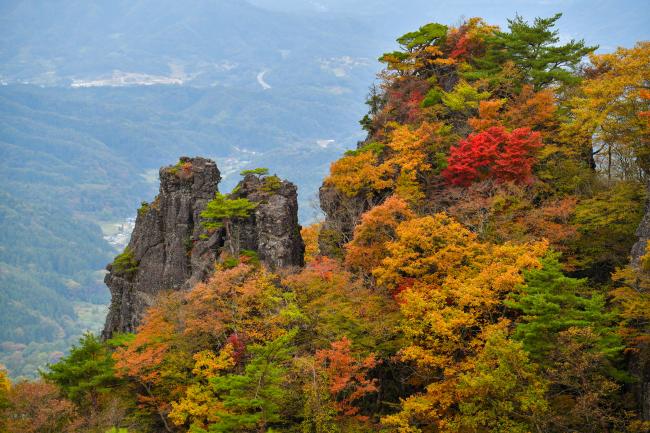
[253, 399]
[85, 374]
[221, 211]
[534, 49]
[552, 302]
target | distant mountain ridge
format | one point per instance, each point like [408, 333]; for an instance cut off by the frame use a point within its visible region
[198, 43]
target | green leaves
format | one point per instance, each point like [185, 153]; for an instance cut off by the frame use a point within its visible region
[428, 34]
[85, 373]
[464, 97]
[533, 48]
[260, 171]
[223, 208]
[125, 263]
[253, 398]
[552, 302]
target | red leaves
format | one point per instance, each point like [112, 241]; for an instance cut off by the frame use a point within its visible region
[347, 375]
[239, 347]
[493, 154]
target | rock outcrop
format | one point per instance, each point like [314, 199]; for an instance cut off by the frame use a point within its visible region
[170, 249]
[342, 214]
[640, 361]
[643, 232]
[272, 230]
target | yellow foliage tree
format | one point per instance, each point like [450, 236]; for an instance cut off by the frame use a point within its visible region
[377, 227]
[609, 112]
[451, 289]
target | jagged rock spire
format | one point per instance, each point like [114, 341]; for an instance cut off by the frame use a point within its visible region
[170, 249]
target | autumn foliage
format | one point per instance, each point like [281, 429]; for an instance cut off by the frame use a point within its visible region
[472, 273]
[494, 154]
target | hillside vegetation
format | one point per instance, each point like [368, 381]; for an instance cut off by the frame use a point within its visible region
[473, 272]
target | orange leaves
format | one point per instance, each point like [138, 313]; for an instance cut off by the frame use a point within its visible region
[468, 40]
[359, 174]
[179, 333]
[488, 114]
[535, 110]
[143, 356]
[377, 227]
[528, 109]
[230, 300]
[347, 376]
[36, 407]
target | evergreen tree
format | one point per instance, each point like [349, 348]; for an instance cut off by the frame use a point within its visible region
[552, 302]
[253, 399]
[85, 374]
[535, 51]
[220, 212]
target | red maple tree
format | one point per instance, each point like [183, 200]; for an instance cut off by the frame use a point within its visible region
[493, 154]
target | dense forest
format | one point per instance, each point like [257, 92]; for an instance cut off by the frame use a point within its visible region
[473, 273]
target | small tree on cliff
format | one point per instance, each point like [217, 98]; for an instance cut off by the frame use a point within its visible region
[221, 211]
[259, 172]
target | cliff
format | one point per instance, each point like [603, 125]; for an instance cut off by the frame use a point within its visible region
[170, 250]
[640, 361]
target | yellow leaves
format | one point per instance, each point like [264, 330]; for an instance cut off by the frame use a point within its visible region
[450, 289]
[410, 146]
[611, 106]
[433, 50]
[443, 61]
[208, 365]
[200, 404]
[405, 161]
[357, 174]
[5, 383]
[426, 248]
[377, 227]
[309, 236]
[633, 296]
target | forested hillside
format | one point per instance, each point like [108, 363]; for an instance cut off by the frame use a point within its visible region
[483, 266]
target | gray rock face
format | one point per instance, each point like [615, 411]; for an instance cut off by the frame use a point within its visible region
[173, 251]
[640, 362]
[272, 230]
[342, 214]
[643, 232]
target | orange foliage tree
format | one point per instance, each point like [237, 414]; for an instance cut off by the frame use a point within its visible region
[368, 247]
[347, 376]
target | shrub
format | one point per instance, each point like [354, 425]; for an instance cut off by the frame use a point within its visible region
[271, 184]
[143, 209]
[125, 263]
